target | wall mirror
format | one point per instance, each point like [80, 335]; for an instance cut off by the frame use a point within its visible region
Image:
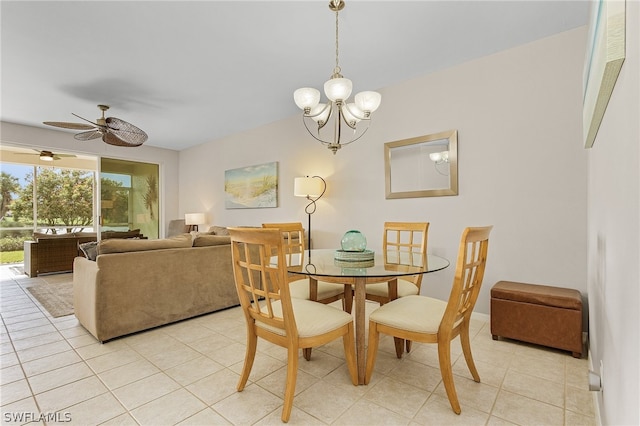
[425, 166]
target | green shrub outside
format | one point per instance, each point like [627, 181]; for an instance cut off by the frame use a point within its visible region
[12, 240]
[13, 243]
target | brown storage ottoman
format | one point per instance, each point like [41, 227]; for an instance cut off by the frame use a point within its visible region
[539, 314]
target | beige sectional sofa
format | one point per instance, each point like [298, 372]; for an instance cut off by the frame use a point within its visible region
[49, 253]
[135, 285]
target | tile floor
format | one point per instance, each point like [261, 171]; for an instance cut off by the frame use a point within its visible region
[186, 374]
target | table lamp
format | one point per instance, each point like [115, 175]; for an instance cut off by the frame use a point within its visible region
[312, 188]
[192, 220]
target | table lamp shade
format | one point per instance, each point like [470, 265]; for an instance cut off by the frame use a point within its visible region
[194, 219]
[307, 187]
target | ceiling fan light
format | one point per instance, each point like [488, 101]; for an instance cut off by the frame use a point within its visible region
[338, 89]
[435, 156]
[368, 101]
[306, 97]
[46, 157]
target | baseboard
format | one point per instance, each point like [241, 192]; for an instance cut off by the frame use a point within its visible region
[596, 406]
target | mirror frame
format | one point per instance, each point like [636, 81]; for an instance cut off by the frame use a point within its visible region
[452, 137]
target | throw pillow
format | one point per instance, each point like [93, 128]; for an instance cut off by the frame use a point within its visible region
[90, 250]
[219, 230]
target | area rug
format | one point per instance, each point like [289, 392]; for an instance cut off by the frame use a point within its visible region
[56, 298]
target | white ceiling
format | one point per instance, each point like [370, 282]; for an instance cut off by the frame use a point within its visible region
[192, 72]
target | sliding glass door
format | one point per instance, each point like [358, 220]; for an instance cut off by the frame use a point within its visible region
[129, 196]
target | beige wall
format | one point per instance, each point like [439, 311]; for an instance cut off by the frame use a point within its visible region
[522, 167]
[613, 240]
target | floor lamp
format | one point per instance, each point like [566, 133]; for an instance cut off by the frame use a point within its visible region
[312, 188]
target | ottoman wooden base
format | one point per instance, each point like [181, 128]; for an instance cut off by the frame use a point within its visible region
[543, 315]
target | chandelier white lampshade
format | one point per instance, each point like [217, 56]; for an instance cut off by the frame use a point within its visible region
[344, 117]
[338, 89]
[306, 98]
[368, 101]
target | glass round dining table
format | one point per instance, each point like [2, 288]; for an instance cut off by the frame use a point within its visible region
[321, 264]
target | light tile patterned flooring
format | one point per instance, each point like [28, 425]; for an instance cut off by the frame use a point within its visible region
[186, 374]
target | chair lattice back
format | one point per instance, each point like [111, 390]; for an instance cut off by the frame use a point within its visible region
[260, 275]
[293, 243]
[470, 267]
[405, 243]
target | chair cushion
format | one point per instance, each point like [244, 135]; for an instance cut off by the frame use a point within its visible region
[414, 313]
[300, 289]
[405, 288]
[312, 318]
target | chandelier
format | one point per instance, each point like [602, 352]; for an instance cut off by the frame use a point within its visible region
[337, 122]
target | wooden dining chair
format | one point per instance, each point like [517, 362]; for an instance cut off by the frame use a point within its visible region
[272, 314]
[301, 286]
[403, 243]
[427, 320]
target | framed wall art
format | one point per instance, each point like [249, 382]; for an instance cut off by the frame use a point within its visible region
[251, 187]
[605, 55]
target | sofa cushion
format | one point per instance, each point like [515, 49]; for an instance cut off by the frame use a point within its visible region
[211, 240]
[219, 230]
[134, 233]
[118, 245]
[90, 249]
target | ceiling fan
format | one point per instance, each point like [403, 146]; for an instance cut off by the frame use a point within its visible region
[46, 155]
[113, 131]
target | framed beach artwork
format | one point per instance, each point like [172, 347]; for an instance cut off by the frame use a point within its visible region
[605, 55]
[251, 187]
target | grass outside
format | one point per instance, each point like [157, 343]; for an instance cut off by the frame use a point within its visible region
[12, 257]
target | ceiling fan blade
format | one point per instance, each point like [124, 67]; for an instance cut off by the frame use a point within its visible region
[112, 139]
[85, 136]
[98, 124]
[127, 132]
[64, 125]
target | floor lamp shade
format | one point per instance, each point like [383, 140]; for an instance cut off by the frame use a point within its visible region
[308, 187]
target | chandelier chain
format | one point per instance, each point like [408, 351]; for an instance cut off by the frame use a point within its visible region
[336, 70]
